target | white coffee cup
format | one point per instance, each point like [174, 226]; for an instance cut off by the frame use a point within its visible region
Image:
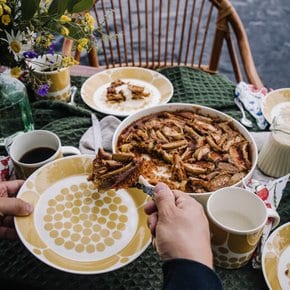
[237, 218]
[31, 150]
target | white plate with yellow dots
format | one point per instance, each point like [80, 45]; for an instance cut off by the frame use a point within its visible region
[74, 227]
[276, 258]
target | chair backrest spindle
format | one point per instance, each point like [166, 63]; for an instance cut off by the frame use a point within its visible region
[158, 33]
[205, 34]
[117, 32]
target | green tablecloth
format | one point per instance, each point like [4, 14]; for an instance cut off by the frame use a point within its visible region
[18, 265]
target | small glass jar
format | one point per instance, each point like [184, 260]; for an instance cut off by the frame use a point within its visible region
[274, 157]
[15, 111]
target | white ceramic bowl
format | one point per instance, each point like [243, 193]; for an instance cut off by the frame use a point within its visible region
[275, 103]
[201, 197]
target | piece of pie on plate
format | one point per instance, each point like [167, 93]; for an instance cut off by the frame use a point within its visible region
[117, 170]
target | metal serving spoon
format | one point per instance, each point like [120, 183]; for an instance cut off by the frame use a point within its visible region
[244, 120]
[144, 185]
[73, 90]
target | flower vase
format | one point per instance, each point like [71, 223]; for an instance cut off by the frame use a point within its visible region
[50, 79]
[15, 111]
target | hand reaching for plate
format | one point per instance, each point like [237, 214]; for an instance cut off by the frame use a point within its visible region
[178, 226]
[11, 206]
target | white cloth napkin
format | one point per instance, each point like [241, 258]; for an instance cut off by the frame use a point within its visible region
[108, 126]
[252, 99]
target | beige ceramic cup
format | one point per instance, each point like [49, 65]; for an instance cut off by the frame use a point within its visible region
[237, 218]
[34, 140]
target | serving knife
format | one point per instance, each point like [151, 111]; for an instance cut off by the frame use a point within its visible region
[145, 186]
[97, 133]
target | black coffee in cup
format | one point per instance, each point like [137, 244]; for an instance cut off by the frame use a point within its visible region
[37, 155]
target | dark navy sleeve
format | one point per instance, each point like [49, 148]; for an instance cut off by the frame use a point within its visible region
[188, 274]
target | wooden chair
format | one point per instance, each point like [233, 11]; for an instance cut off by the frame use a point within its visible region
[162, 33]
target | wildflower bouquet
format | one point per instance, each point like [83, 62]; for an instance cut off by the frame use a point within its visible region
[29, 29]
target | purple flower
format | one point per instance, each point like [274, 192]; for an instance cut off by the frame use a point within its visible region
[51, 49]
[30, 54]
[43, 90]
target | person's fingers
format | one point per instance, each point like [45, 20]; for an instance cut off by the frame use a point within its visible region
[15, 207]
[13, 186]
[182, 199]
[150, 207]
[8, 234]
[152, 222]
[164, 199]
[8, 221]
[10, 188]
[154, 243]
[3, 190]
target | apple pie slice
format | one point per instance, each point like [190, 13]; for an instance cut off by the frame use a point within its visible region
[117, 170]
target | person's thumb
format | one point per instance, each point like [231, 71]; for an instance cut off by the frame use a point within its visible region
[164, 199]
[14, 207]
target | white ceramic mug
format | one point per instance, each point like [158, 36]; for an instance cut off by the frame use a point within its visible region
[237, 218]
[41, 147]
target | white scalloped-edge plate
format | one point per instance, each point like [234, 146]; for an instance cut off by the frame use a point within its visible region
[276, 258]
[275, 103]
[74, 227]
[94, 90]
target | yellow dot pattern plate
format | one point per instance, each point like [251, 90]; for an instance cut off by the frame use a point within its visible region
[76, 228]
[94, 90]
[276, 258]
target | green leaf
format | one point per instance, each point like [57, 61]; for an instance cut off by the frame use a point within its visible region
[82, 5]
[52, 10]
[58, 7]
[28, 8]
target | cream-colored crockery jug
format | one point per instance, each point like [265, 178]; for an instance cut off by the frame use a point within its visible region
[274, 157]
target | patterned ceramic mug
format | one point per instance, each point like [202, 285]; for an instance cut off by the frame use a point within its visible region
[47, 69]
[32, 150]
[237, 218]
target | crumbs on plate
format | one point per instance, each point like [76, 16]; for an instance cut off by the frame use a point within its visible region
[118, 92]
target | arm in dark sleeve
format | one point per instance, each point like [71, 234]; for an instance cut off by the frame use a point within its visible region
[188, 274]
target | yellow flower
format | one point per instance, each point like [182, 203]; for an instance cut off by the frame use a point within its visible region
[90, 20]
[15, 46]
[44, 40]
[16, 72]
[68, 61]
[64, 31]
[5, 19]
[82, 43]
[64, 19]
[6, 8]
